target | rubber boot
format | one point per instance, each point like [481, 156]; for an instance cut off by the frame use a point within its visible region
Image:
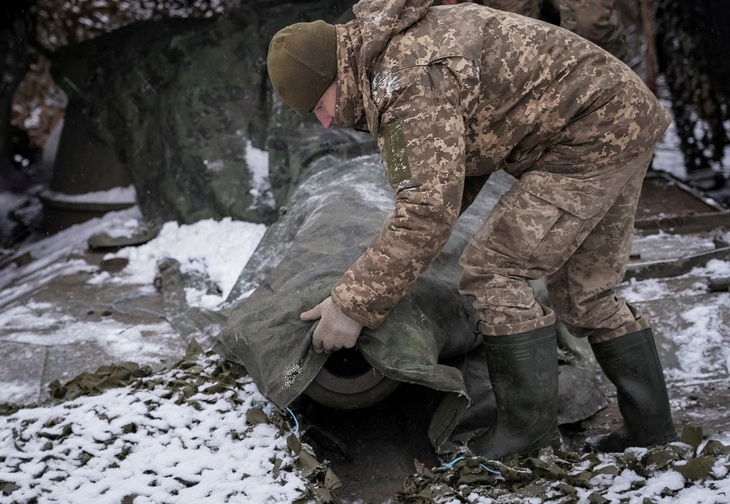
[632, 364]
[523, 369]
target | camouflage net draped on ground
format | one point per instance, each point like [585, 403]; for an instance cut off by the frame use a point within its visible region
[48, 455]
[660, 472]
[199, 430]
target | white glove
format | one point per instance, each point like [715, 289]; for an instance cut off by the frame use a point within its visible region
[335, 329]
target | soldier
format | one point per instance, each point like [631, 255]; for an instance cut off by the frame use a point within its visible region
[595, 20]
[536, 9]
[530, 8]
[453, 94]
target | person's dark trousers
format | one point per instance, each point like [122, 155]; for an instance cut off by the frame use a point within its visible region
[631, 363]
[523, 370]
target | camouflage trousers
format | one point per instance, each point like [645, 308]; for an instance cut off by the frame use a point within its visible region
[529, 8]
[595, 20]
[572, 224]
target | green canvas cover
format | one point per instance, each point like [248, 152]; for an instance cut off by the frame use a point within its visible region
[428, 338]
[334, 215]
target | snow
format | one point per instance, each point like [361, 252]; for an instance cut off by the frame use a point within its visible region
[216, 249]
[119, 195]
[150, 443]
[198, 450]
[49, 252]
[118, 340]
[201, 449]
[257, 161]
[700, 330]
[624, 486]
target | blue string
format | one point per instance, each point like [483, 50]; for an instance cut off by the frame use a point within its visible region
[296, 422]
[490, 470]
[449, 465]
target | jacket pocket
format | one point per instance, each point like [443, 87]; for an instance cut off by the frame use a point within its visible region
[581, 197]
[528, 228]
[521, 159]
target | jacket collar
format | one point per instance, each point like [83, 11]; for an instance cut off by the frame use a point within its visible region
[360, 43]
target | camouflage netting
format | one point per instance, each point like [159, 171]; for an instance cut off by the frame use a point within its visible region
[692, 38]
[327, 224]
[204, 392]
[202, 408]
[185, 105]
[658, 474]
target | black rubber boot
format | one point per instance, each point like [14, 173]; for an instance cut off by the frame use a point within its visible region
[523, 369]
[632, 364]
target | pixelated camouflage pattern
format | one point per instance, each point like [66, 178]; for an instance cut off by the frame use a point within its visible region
[595, 20]
[581, 248]
[474, 90]
[530, 8]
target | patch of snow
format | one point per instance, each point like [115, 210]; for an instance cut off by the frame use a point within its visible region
[699, 330]
[115, 195]
[217, 249]
[702, 344]
[16, 392]
[257, 161]
[49, 251]
[140, 442]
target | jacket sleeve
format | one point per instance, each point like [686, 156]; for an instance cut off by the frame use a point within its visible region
[421, 141]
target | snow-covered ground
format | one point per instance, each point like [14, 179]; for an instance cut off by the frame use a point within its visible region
[153, 442]
[179, 435]
[175, 437]
[192, 433]
[215, 249]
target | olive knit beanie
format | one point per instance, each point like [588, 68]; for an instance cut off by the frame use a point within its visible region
[302, 63]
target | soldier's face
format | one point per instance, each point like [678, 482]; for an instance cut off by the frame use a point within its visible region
[325, 107]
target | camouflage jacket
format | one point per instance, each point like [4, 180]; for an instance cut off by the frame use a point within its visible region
[454, 93]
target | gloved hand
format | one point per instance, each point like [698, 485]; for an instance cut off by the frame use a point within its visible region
[335, 329]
